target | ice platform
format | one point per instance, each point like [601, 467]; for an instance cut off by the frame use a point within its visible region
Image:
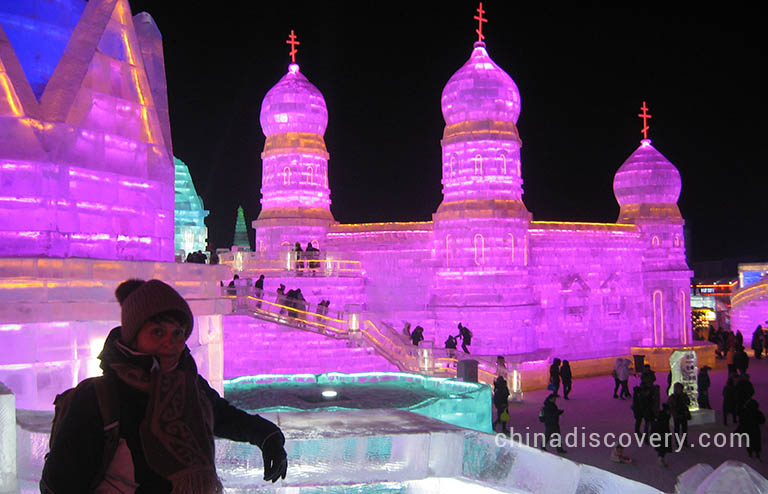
[377, 450]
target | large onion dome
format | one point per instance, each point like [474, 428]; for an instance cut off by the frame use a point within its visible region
[293, 105]
[480, 90]
[647, 177]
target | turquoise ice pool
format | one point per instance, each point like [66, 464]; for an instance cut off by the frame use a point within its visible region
[456, 402]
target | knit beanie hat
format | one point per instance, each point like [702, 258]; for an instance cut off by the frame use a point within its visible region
[141, 300]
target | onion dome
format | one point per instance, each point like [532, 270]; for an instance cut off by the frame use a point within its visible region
[480, 90]
[647, 177]
[293, 105]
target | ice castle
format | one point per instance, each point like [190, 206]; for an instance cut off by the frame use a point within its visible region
[524, 287]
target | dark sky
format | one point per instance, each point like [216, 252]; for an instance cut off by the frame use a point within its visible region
[583, 74]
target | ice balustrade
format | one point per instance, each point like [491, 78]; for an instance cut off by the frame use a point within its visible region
[425, 358]
[386, 340]
[284, 310]
[317, 264]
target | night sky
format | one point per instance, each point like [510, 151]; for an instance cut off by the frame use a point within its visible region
[583, 74]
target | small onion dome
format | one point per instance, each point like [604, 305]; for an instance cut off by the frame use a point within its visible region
[647, 177]
[480, 90]
[293, 105]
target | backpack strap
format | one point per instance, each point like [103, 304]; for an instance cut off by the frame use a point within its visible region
[109, 408]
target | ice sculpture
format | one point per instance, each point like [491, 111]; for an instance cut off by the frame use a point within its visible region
[682, 365]
[295, 202]
[190, 233]
[86, 161]
[733, 476]
[383, 451]
[688, 481]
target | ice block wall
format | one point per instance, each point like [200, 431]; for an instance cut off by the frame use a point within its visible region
[396, 258]
[588, 277]
[86, 166]
[56, 313]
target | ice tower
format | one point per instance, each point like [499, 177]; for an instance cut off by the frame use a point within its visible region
[87, 166]
[481, 225]
[295, 202]
[647, 187]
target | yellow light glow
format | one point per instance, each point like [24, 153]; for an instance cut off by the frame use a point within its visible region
[128, 49]
[37, 124]
[610, 226]
[10, 96]
[135, 74]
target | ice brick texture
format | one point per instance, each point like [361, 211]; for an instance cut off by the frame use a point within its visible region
[86, 164]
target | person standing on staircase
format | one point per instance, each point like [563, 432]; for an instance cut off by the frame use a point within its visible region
[259, 290]
[466, 337]
[417, 335]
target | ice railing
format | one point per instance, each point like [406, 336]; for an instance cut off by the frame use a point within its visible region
[425, 358]
[283, 310]
[363, 328]
[290, 264]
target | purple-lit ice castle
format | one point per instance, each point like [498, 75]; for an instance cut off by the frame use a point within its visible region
[581, 289]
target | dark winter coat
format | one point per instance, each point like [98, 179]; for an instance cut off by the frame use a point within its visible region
[551, 415]
[741, 360]
[554, 375]
[730, 400]
[745, 390]
[661, 426]
[500, 393]
[750, 420]
[76, 453]
[566, 375]
[678, 406]
[645, 401]
[703, 381]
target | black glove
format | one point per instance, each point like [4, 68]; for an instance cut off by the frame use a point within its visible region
[274, 456]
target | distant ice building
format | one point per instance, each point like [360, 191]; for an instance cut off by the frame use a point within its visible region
[521, 285]
[190, 232]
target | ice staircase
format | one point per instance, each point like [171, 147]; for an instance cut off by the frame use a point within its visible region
[269, 335]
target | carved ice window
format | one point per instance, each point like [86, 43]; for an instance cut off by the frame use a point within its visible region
[479, 243]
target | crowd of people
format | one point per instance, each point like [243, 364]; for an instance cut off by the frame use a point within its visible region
[651, 412]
